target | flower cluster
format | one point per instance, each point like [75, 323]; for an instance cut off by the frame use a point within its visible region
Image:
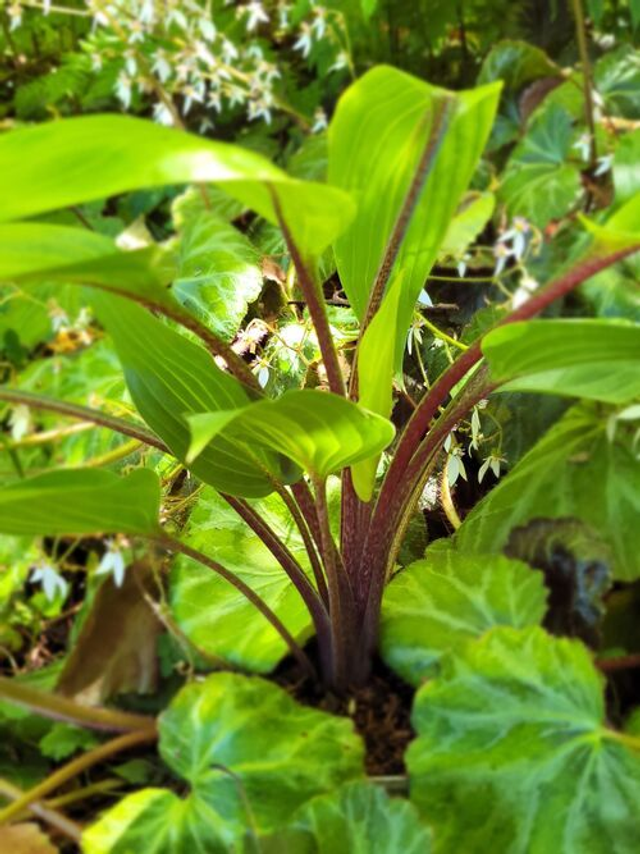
[191, 60]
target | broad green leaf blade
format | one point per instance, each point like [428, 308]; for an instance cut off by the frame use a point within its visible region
[439, 604]
[36, 252]
[358, 818]
[169, 377]
[376, 140]
[625, 167]
[513, 753]
[81, 501]
[376, 362]
[540, 182]
[574, 471]
[475, 211]
[229, 628]
[62, 163]
[594, 359]
[219, 273]
[251, 756]
[321, 432]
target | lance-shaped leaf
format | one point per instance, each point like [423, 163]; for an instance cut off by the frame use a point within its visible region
[475, 211]
[169, 376]
[439, 604]
[358, 818]
[31, 253]
[321, 432]
[62, 163]
[81, 501]
[556, 479]
[393, 132]
[513, 752]
[251, 756]
[594, 359]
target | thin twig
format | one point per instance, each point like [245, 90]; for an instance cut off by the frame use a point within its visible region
[46, 812]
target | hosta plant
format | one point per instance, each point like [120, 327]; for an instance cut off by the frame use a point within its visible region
[310, 495]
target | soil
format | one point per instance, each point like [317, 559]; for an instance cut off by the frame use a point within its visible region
[380, 711]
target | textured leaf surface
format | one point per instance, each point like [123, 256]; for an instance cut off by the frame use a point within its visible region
[81, 501]
[556, 479]
[441, 603]
[513, 753]
[229, 627]
[171, 377]
[219, 273]
[359, 818]
[321, 432]
[62, 163]
[251, 756]
[539, 183]
[594, 359]
[376, 140]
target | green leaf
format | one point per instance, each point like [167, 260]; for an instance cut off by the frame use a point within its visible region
[81, 501]
[539, 183]
[513, 753]
[62, 163]
[593, 359]
[516, 63]
[556, 479]
[358, 818]
[321, 432]
[171, 376]
[219, 273]
[230, 628]
[376, 141]
[441, 603]
[36, 252]
[617, 77]
[251, 756]
[473, 214]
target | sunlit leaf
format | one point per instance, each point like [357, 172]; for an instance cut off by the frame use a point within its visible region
[439, 604]
[250, 755]
[81, 501]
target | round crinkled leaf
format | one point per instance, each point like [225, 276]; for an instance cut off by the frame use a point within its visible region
[229, 627]
[513, 754]
[359, 818]
[251, 756]
[444, 601]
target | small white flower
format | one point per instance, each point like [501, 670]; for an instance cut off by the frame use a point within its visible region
[20, 421]
[208, 29]
[304, 42]
[15, 14]
[604, 165]
[517, 235]
[51, 580]
[502, 254]
[123, 89]
[228, 51]
[492, 462]
[319, 121]
[424, 299]
[342, 61]
[462, 265]
[256, 15]
[583, 145]
[319, 25]
[112, 563]
[162, 114]
[263, 375]
[130, 62]
[161, 65]
[526, 287]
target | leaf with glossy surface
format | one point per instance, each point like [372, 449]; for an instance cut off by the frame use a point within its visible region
[376, 141]
[593, 359]
[81, 501]
[359, 818]
[171, 376]
[63, 163]
[230, 628]
[251, 756]
[556, 478]
[439, 604]
[513, 753]
[219, 273]
[320, 431]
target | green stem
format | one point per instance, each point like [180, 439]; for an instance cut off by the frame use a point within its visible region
[77, 766]
[61, 709]
[47, 813]
[583, 49]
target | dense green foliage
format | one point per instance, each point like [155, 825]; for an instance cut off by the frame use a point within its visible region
[320, 404]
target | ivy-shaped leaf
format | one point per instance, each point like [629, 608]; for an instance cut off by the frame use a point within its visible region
[251, 756]
[513, 753]
[441, 603]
